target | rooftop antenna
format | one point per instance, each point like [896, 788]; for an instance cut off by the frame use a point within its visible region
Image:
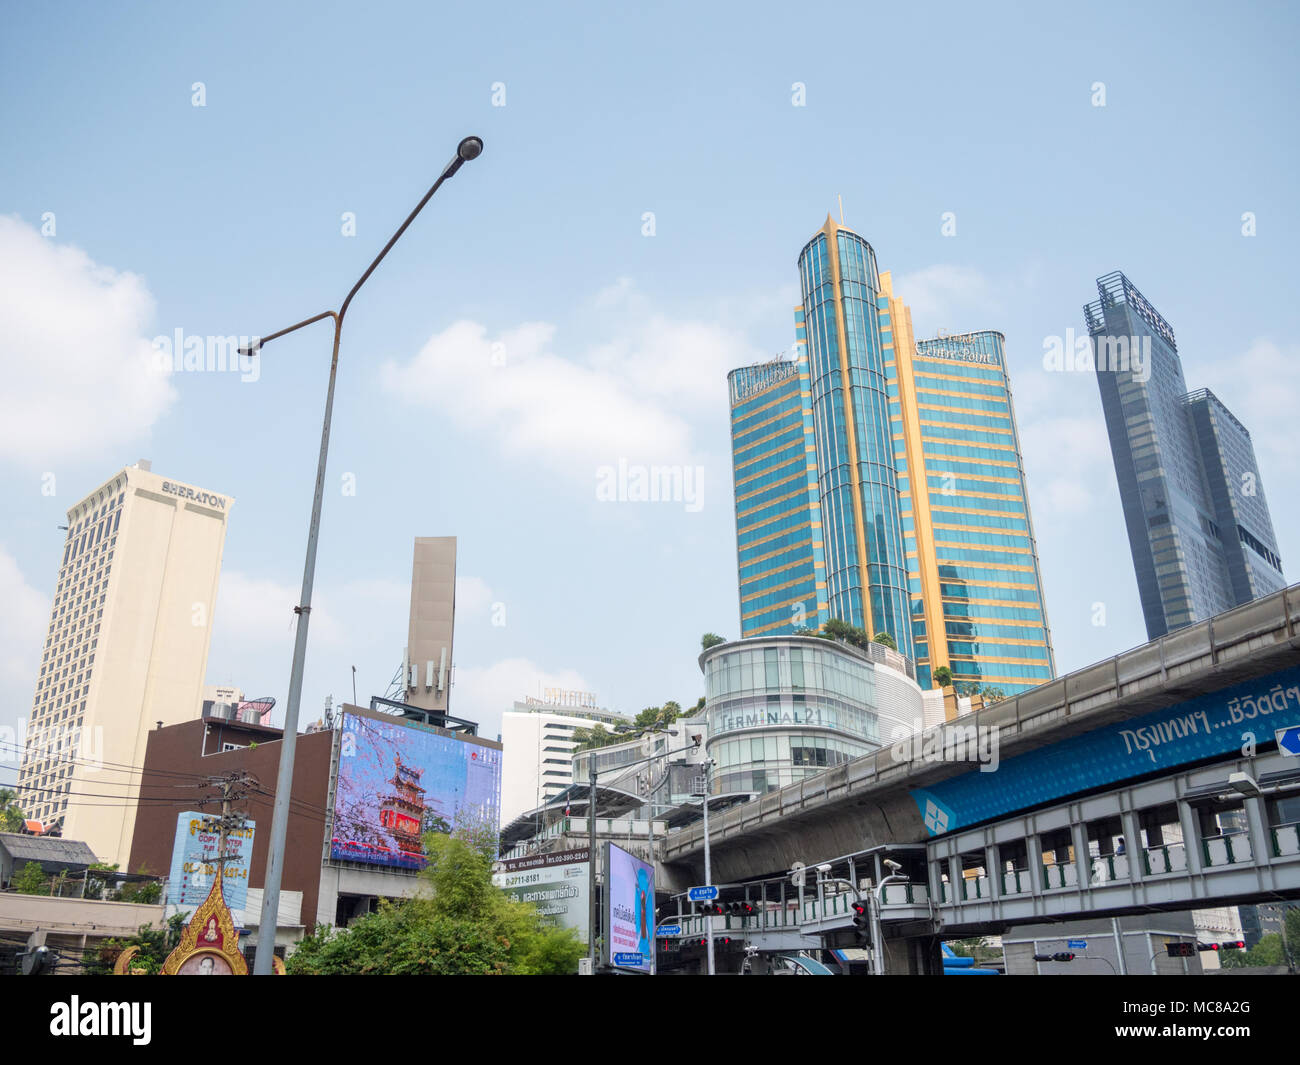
[841, 199]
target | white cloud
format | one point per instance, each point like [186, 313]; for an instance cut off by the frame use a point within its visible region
[473, 596]
[23, 623]
[1261, 387]
[628, 395]
[955, 299]
[484, 693]
[77, 365]
[1068, 465]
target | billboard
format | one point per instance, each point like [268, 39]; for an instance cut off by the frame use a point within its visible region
[629, 918]
[194, 864]
[557, 883]
[399, 779]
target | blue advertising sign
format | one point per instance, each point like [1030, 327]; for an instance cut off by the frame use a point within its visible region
[194, 864]
[703, 894]
[1208, 726]
[1288, 740]
[629, 919]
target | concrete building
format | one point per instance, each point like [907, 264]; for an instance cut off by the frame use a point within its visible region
[537, 741]
[127, 647]
[53, 854]
[1198, 523]
[427, 662]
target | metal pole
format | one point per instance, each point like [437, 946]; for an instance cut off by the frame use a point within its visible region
[469, 148]
[591, 857]
[708, 868]
[269, 920]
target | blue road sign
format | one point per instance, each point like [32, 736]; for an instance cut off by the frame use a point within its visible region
[1288, 740]
[702, 894]
[634, 960]
[670, 930]
[1077, 944]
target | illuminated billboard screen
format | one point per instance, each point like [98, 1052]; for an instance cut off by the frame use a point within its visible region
[398, 780]
[629, 918]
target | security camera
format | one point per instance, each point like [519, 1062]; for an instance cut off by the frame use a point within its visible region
[824, 869]
[891, 864]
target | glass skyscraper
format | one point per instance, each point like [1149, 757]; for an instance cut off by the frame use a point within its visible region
[866, 571]
[916, 496]
[781, 565]
[1198, 523]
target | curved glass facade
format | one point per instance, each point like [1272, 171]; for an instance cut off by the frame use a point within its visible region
[858, 481]
[780, 709]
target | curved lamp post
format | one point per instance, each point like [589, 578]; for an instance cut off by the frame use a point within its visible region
[469, 148]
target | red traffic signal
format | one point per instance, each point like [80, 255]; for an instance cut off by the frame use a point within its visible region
[1233, 944]
[1207, 946]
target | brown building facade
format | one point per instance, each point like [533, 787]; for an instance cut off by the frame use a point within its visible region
[212, 747]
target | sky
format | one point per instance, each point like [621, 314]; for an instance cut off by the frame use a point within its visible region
[574, 298]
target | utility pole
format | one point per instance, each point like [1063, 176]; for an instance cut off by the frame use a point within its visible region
[234, 786]
[708, 868]
[591, 859]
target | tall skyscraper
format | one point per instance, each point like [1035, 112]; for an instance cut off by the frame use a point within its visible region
[914, 478]
[1198, 523]
[866, 571]
[972, 560]
[127, 648]
[781, 561]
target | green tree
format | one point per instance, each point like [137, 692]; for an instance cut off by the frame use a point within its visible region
[590, 738]
[468, 926]
[31, 881]
[978, 948]
[154, 943]
[710, 639]
[885, 640]
[11, 816]
[942, 677]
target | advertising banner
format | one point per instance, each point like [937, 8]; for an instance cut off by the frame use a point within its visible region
[557, 883]
[629, 920]
[398, 779]
[194, 864]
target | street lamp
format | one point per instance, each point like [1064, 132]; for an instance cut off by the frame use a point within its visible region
[469, 148]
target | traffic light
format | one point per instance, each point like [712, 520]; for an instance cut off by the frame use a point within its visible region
[861, 921]
[1233, 944]
[747, 909]
[1181, 950]
[1207, 946]
[1059, 956]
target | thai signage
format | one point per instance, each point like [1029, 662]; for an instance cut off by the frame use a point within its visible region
[557, 884]
[195, 854]
[1210, 726]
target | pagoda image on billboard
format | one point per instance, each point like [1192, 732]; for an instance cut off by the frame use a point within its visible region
[402, 811]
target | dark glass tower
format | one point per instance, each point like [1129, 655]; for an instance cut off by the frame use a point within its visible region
[1198, 523]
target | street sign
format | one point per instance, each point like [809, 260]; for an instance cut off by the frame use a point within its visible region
[1288, 740]
[1077, 944]
[633, 960]
[703, 894]
[670, 930]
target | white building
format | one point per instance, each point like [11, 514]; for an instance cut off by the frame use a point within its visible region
[127, 649]
[537, 737]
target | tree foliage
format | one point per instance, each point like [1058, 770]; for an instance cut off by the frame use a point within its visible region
[11, 815]
[154, 943]
[31, 880]
[942, 677]
[467, 927]
[711, 639]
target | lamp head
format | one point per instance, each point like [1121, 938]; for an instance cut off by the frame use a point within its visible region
[469, 148]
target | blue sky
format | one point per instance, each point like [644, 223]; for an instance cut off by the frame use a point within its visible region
[525, 332]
